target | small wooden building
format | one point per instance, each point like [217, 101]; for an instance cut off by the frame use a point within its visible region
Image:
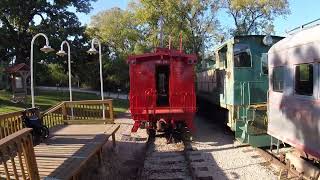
[18, 76]
[3, 77]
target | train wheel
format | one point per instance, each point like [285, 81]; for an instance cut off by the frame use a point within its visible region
[151, 133]
[186, 134]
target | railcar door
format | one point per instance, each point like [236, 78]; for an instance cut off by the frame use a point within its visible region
[142, 84]
[162, 84]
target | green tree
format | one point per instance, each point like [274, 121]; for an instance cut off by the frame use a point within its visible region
[117, 28]
[57, 74]
[20, 20]
[255, 16]
[136, 30]
[18, 24]
[120, 36]
[195, 19]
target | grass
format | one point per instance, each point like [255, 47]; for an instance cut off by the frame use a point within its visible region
[47, 99]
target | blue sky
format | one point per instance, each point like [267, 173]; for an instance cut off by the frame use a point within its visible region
[302, 11]
[101, 5]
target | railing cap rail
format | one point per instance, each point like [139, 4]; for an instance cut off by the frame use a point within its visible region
[53, 108]
[76, 102]
[89, 101]
[16, 113]
[10, 138]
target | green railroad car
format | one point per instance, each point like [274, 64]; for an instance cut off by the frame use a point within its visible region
[238, 83]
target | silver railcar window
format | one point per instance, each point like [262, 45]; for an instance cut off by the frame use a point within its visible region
[304, 79]
[277, 79]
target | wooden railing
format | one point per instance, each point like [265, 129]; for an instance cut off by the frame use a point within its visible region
[17, 158]
[53, 116]
[10, 123]
[90, 110]
[84, 112]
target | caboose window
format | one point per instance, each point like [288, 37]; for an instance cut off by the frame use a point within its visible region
[277, 79]
[304, 79]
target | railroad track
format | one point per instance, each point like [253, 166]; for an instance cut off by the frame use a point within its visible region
[180, 161]
[287, 171]
[176, 161]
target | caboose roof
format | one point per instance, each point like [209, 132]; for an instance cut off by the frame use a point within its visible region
[162, 53]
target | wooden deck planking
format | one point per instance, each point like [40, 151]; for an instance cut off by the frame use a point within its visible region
[68, 148]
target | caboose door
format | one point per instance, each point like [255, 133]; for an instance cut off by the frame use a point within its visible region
[142, 86]
[162, 76]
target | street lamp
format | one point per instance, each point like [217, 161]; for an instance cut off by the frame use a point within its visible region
[92, 51]
[46, 49]
[62, 53]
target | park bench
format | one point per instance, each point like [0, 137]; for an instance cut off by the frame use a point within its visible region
[19, 97]
[62, 156]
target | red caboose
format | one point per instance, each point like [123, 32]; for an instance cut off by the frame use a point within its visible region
[162, 89]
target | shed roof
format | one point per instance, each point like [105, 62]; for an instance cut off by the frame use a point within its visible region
[18, 67]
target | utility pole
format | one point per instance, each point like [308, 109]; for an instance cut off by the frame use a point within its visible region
[161, 23]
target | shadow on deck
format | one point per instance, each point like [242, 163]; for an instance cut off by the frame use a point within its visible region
[68, 148]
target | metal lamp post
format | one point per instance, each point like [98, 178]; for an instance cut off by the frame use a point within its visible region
[46, 48]
[91, 51]
[62, 53]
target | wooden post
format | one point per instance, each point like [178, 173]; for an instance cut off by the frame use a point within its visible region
[64, 112]
[100, 158]
[111, 111]
[114, 139]
[13, 84]
[32, 158]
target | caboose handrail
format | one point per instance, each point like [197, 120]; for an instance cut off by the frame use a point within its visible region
[247, 84]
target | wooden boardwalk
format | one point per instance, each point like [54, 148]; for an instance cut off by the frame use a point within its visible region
[67, 150]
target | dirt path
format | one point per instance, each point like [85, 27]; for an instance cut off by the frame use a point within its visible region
[122, 162]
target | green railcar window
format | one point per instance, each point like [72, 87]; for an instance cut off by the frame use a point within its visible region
[242, 59]
[264, 63]
[242, 55]
[223, 56]
[277, 79]
[304, 79]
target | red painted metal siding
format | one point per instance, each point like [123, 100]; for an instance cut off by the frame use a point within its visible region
[142, 80]
[182, 85]
[143, 93]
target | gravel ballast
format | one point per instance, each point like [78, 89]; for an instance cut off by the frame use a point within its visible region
[226, 158]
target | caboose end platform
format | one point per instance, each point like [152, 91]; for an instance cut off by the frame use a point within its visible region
[162, 91]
